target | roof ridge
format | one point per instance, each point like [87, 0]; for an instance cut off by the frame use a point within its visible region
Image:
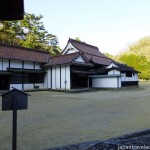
[83, 43]
[98, 56]
[64, 55]
[25, 48]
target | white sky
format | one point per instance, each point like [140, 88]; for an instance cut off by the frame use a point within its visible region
[111, 25]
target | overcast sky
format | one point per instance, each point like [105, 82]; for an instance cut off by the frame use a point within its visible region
[111, 25]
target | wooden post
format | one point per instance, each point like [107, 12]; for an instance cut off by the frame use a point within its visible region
[14, 137]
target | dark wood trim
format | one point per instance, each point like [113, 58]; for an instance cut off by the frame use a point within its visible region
[129, 83]
[9, 62]
[34, 66]
[22, 81]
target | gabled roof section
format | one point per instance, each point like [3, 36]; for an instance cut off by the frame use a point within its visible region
[98, 59]
[66, 59]
[86, 48]
[89, 52]
[22, 53]
[123, 67]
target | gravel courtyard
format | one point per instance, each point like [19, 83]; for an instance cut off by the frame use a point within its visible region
[56, 118]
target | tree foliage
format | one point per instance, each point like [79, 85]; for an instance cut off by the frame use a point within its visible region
[109, 55]
[138, 56]
[29, 32]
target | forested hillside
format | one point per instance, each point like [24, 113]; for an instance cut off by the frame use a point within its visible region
[138, 56]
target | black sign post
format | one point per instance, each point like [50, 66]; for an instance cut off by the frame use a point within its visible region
[14, 100]
[14, 134]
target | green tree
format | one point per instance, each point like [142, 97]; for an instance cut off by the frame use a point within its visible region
[108, 55]
[29, 32]
[140, 63]
[78, 39]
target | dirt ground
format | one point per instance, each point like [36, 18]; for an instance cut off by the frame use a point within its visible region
[56, 118]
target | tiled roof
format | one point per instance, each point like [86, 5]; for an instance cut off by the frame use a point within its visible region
[98, 59]
[90, 52]
[86, 48]
[65, 59]
[22, 53]
[124, 67]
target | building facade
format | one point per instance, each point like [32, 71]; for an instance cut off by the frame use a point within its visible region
[22, 68]
[80, 65]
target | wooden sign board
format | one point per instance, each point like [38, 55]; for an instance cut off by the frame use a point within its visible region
[19, 96]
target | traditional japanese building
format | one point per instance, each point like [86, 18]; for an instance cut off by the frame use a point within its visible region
[80, 65]
[22, 68]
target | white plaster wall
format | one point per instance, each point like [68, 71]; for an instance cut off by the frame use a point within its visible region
[133, 78]
[114, 72]
[15, 64]
[53, 78]
[49, 78]
[65, 76]
[80, 59]
[41, 85]
[72, 49]
[5, 64]
[1, 64]
[106, 82]
[28, 65]
[119, 79]
[57, 77]
[37, 66]
[17, 86]
[136, 77]
[68, 77]
[111, 65]
[46, 79]
[28, 86]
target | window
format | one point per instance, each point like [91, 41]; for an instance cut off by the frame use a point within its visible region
[128, 74]
[36, 78]
[19, 78]
[16, 78]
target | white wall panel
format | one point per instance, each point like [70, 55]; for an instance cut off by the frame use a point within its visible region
[106, 82]
[80, 59]
[5, 64]
[63, 74]
[28, 86]
[113, 72]
[53, 78]
[28, 65]
[15, 64]
[37, 66]
[49, 78]
[57, 77]
[68, 77]
[1, 63]
[17, 86]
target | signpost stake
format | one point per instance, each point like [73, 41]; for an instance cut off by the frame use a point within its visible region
[14, 100]
[14, 138]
